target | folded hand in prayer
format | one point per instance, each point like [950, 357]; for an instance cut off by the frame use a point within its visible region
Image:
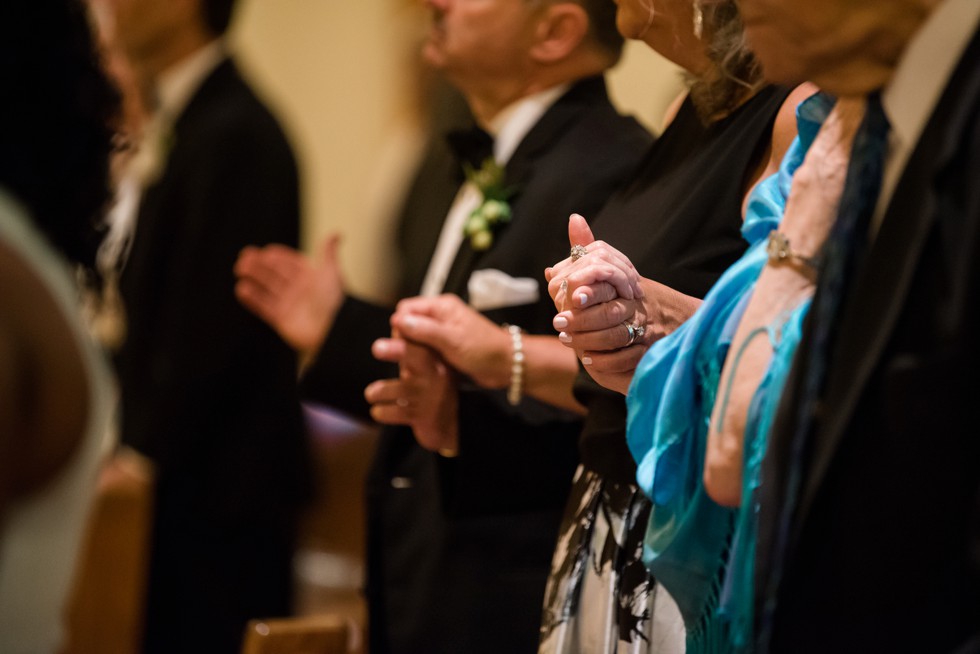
[608, 313]
[423, 396]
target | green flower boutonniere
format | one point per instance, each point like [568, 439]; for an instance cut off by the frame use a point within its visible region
[494, 210]
[150, 160]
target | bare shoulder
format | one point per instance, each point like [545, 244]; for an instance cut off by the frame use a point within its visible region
[784, 128]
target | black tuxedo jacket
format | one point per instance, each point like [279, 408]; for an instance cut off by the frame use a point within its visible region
[884, 554]
[459, 549]
[209, 391]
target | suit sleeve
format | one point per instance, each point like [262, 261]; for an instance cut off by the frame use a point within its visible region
[344, 366]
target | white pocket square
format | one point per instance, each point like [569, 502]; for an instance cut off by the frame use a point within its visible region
[494, 289]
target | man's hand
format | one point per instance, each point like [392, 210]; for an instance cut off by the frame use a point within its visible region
[462, 337]
[423, 397]
[297, 298]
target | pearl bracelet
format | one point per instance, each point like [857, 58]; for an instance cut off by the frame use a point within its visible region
[516, 388]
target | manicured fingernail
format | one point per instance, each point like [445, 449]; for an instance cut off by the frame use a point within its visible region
[408, 322]
[564, 338]
[560, 322]
[582, 299]
[587, 361]
[381, 346]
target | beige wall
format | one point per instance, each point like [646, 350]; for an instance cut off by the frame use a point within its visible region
[337, 74]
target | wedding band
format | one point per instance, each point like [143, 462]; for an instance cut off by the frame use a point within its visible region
[577, 252]
[563, 287]
[633, 332]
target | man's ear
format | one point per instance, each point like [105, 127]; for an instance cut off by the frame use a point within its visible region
[562, 28]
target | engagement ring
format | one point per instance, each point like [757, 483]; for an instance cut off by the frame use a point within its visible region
[577, 252]
[633, 332]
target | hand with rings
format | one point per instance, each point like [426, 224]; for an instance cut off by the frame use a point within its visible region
[593, 272]
[608, 313]
[576, 252]
[423, 396]
[597, 292]
[633, 332]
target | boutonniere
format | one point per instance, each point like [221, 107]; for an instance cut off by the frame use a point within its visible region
[153, 151]
[494, 210]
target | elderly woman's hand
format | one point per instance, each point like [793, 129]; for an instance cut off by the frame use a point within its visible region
[611, 337]
[608, 313]
[597, 272]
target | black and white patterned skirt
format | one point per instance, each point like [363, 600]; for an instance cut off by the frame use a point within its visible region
[600, 599]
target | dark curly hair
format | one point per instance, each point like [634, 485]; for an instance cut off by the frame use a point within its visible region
[57, 122]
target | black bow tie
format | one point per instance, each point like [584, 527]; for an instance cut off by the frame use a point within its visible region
[470, 146]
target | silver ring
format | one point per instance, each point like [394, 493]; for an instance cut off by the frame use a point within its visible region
[577, 252]
[634, 332]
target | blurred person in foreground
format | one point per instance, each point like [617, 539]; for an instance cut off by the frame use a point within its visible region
[208, 390]
[462, 523]
[56, 128]
[870, 508]
[702, 398]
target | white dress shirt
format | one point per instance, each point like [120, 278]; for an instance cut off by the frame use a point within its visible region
[919, 81]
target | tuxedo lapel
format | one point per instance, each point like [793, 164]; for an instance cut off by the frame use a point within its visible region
[154, 229]
[882, 283]
[521, 168]
[549, 129]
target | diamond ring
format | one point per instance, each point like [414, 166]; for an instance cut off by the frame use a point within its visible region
[633, 332]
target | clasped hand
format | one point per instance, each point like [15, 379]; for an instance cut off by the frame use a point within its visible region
[423, 396]
[608, 313]
[437, 338]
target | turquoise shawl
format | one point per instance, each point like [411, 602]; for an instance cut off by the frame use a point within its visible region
[702, 553]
